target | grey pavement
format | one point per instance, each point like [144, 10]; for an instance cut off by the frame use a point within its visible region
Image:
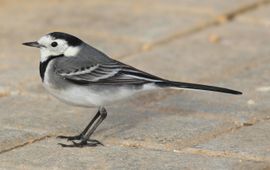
[224, 43]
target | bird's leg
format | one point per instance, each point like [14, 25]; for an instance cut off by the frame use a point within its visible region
[85, 140]
[78, 137]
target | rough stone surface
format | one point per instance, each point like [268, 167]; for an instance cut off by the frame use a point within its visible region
[124, 125]
[259, 16]
[13, 137]
[167, 129]
[251, 141]
[47, 155]
[210, 7]
[227, 63]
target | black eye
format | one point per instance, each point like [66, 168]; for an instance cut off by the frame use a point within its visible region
[54, 44]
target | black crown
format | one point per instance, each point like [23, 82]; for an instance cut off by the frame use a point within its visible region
[71, 40]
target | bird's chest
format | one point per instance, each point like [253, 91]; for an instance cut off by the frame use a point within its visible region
[64, 91]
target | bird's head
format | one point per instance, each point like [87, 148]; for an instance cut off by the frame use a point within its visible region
[55, 44]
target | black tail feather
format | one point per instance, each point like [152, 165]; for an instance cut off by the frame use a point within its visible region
[197, 86]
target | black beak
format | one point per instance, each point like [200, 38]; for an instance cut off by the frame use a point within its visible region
[32, 44]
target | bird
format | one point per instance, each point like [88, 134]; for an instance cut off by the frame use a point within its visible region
[81, 75]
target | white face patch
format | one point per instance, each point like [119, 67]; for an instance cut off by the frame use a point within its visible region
[50, 49]
[72, 51]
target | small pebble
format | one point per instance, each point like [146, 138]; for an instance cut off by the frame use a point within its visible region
[213, 38]
[4, 92]
[223, 18]
[146, 47]
[251, 102]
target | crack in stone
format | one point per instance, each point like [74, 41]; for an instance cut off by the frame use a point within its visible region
[243, 9]
[26, 143]
[219, 20]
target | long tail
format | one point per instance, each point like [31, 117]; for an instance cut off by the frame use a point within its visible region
[197, 86]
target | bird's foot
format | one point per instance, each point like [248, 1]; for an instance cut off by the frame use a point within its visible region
[83, 143]
[69, 138]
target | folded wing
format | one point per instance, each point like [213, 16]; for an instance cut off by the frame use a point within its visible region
[114, 73]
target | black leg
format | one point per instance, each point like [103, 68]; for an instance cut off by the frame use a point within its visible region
[85, 140]
[78, 137]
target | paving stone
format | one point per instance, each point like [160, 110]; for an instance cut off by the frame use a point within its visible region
[120, 19]
[124, 124]
[236, 109]
[258, 16]
[250, 140]
[14, 137]
[233, 62]
[40, 114]
[164, 130]
[46, 155]
[192, 54]
[210, 7]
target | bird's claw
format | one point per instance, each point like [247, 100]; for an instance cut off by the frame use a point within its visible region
[71, 138]
[83, 143]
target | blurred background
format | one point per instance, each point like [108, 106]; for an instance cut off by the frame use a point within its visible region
[223, 43]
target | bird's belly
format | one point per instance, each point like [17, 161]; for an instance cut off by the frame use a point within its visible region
[89, 97]
[77, 97]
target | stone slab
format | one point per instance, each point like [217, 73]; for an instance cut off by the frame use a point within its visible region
[239, 60]
[47, 155]
[10, 138]
[258, 16]
[210, 7]
[124, 124]
[252, 141]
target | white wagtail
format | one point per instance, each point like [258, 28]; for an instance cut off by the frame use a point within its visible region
[81, 75]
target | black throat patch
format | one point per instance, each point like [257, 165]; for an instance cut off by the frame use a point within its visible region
[43, 65]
